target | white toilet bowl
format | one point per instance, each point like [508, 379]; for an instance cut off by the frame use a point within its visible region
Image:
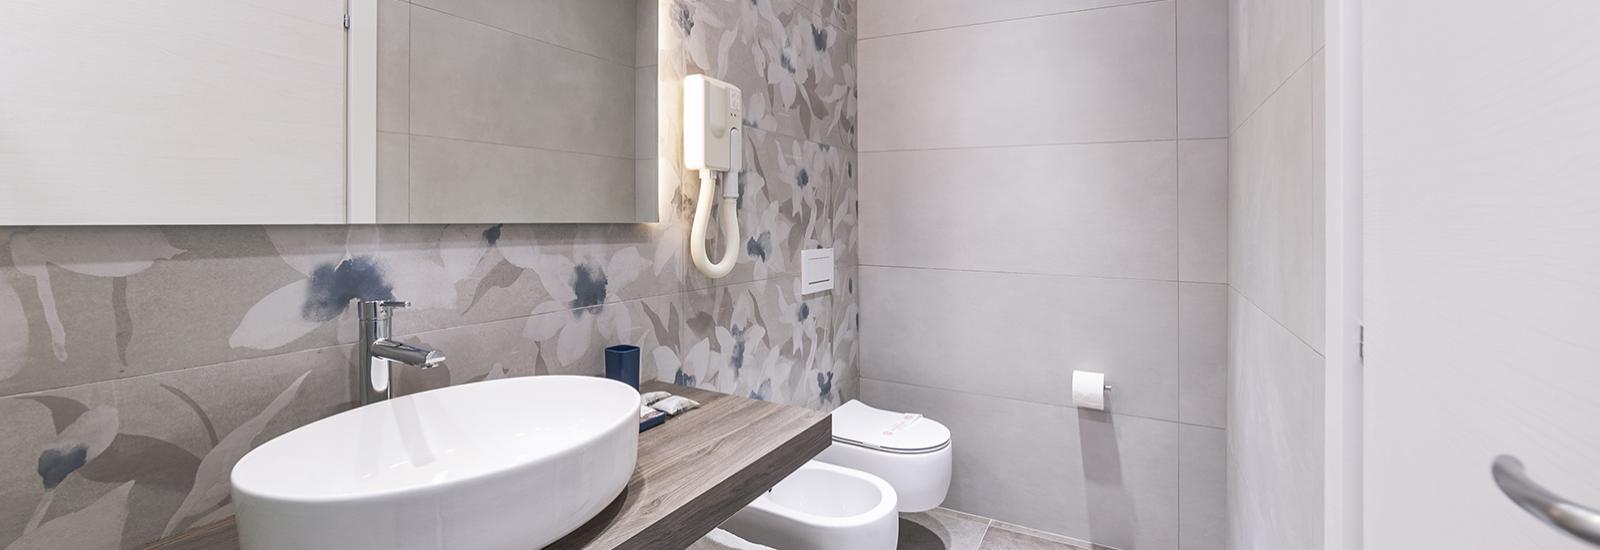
[822, 507]
[908, 451]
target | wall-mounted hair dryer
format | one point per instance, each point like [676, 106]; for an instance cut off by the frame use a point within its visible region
[712, 115]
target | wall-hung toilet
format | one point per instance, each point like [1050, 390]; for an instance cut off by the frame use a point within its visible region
[910, 452]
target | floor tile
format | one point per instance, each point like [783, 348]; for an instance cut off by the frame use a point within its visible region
[941, 529]
[1004, 537]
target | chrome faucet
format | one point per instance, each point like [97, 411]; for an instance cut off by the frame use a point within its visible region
[375, 351]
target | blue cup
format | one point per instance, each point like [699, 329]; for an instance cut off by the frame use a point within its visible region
[622, 364]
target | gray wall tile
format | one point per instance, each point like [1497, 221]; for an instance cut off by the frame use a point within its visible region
[887, 17]
[486, 84]
[1275, 211]
[1021, 336]
[605, 29]
[1202, 488]
[1275, 437]
[1203, 210]
[515, 17]
[1202, 69]
[1276, 256]
[1030, 81]
[394, 66]
[1270, 40]
[517, 182]
[179, 433]
[1028, 209]
[602, 28]
[33, 427]
[394, 177]
[1107, 210]
[1203, 354]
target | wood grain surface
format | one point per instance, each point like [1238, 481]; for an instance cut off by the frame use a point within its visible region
[693, 472]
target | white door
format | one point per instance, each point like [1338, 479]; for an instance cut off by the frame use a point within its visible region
[1482, 268]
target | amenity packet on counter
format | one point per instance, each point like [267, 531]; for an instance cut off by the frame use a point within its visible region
[675, 405]
[650, 398]
[646, 413]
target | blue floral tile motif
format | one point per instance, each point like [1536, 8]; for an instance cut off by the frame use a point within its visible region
[589, 285]
[332, 287]
[825, 387]
[758, 246]
[55, 464]
[153, 310]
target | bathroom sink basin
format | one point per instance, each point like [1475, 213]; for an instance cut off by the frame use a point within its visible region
[513, 463]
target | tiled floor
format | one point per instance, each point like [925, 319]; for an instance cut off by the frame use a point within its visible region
[941, 529]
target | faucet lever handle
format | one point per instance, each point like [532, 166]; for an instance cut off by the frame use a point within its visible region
[379, 309]
[390, 304]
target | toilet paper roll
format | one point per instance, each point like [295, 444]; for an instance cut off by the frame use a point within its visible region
[1089, 390]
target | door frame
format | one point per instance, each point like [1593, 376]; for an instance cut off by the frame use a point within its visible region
[1343, 437]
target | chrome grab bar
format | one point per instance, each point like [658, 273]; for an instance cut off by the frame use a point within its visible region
[1578, 520]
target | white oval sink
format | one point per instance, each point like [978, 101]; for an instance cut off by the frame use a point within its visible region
[514, 463]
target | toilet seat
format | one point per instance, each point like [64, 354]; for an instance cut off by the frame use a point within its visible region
[909, 451]
[856, 423]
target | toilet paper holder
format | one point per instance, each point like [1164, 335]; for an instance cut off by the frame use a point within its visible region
[1083, 395]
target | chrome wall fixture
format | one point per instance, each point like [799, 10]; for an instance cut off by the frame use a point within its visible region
[375, 351]
[1573, 518]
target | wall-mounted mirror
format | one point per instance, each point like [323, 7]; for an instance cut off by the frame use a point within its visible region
[517, 111]
[242, 112]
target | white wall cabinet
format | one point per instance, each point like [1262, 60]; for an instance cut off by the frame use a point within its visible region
[175, 112]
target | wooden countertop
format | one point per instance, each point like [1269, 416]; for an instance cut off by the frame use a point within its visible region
[693, 472]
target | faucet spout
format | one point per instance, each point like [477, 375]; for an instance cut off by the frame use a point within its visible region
[398, 352]
[376, 351]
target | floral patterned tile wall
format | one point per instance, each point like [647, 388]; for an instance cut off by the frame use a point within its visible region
[138, 364]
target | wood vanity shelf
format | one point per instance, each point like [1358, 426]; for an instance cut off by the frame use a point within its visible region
[693, 472]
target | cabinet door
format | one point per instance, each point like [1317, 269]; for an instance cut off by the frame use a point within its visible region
[172, 112]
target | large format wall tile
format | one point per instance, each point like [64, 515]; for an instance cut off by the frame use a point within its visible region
[115, 463]
[1044, 184]
[520, 182]
[394, 67]
[600, 28]
[394, 175]
[1276, 212]
[1275, 435]
[1112, 479]
[1203, 354]
[1021, 336]
[761, 340]
[1202, 488]
[1032, 81]
[557, 98]
[1270, 40]
[34, 442]
[1203, 69]
[1203, 210]
[1106, 210]
[886, 17]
